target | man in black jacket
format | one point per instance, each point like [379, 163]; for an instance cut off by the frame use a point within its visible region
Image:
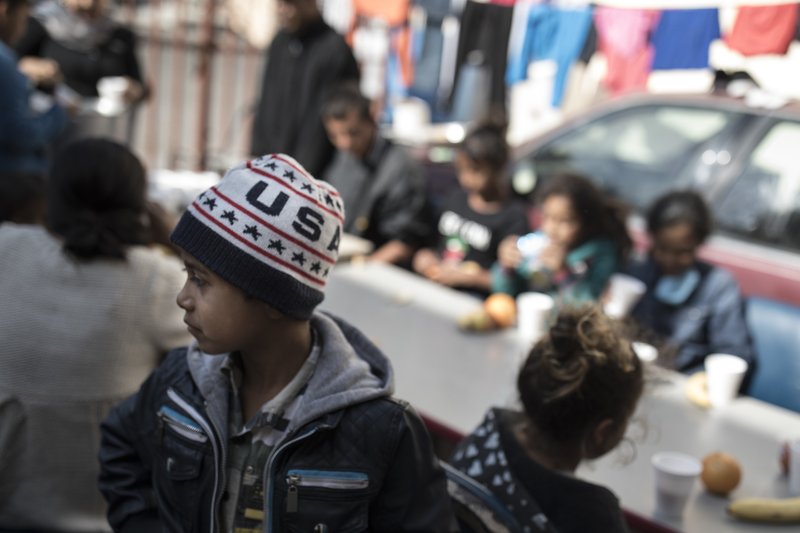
[278, 417]
[305, 58]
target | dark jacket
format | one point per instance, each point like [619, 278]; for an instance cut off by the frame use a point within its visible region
[163, 452]
[24, 134]
[493, 457]
[711, 320]
[385, 194]
[300, 68]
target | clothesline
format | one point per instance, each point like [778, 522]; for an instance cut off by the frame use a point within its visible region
[689, 4]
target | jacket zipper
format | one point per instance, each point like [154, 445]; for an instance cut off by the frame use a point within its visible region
[268, 473]
[182, 425]
[197, 417]
[321, 479]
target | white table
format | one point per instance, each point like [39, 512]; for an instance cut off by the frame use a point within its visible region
[453, 377]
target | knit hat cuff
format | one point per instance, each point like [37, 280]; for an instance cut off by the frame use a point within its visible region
[279, 290]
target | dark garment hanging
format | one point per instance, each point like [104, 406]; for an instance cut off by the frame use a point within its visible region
[483, 39]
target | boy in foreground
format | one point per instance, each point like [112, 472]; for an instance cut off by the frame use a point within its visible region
[277, 417]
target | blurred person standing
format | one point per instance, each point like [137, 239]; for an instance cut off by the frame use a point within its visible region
[304, 60]
[78, 41]
[88, 311]
[384, 190]
[24, 134]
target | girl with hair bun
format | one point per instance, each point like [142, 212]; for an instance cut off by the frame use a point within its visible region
[474, 219]
[88, 311]
[581, 241]
[578, 387]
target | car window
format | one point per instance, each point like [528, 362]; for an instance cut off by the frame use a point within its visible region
[636, 154]
[763, 203]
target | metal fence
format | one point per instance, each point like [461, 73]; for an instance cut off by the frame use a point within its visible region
[204, 80]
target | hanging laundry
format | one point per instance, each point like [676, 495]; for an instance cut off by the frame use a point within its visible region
[483, 38]
[763, 29]
[682, 38]
[624, 39]
[428, 49]
[554, 33]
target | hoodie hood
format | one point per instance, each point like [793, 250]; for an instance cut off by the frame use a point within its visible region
[350, 370]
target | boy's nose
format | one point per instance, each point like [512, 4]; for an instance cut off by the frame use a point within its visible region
[183, 299]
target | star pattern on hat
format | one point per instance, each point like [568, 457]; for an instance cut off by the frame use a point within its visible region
[211, 203]
[289, 174]
[271, 165]
[329, 200]
[299, 258]
[230, 216]
[277, 245]
[315, 267]
[252, 231]
[325, 273]
[307, 187]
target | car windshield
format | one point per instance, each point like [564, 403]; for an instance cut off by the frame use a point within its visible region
[763, 203]
[635, 154]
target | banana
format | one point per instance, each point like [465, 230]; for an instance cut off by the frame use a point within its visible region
[784, 511]
[696, 390]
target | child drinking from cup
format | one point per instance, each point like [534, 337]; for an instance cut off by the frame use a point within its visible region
[581, 241]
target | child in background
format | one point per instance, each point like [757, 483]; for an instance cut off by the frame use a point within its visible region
[697, 307]
[475, 219]
[578, 387]
[278, 418]
[581, 241]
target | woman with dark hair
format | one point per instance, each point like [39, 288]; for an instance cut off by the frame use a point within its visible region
[476, 218]
[88, 310]
[579, 388]
[696, 307]
[582, 240]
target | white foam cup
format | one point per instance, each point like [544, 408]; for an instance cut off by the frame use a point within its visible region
[623, 293]
[647, 353]
[794, 467]
[675, 474]
[533, 315]
[724, 374]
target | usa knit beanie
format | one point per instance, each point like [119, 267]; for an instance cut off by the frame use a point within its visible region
[269, 228]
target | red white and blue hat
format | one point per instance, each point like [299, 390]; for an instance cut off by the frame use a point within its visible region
[270, 229]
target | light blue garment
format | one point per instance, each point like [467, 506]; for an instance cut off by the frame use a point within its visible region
[552, 33]
[24, 134]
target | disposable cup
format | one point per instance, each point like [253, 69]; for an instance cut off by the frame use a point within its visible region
[724, 374]
[623, 293]
[533, 315]
[794, 467]
[674, 479]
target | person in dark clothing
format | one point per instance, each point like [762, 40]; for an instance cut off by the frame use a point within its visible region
[77, 40]
[579, 387]
[475, 218]
[279, 417]
[384, 190]
[305, 59]
[695, 307]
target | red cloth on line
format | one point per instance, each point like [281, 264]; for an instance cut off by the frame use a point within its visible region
[624, 38]
[763, 29]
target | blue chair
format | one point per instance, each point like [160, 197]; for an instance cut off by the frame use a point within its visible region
[775, 328]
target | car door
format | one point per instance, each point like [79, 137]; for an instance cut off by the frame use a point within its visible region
[757, 213]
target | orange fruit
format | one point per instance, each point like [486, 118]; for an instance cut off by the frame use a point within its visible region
[721, 473]
[502, 309]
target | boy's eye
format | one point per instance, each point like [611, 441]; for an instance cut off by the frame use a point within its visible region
[194, 278]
